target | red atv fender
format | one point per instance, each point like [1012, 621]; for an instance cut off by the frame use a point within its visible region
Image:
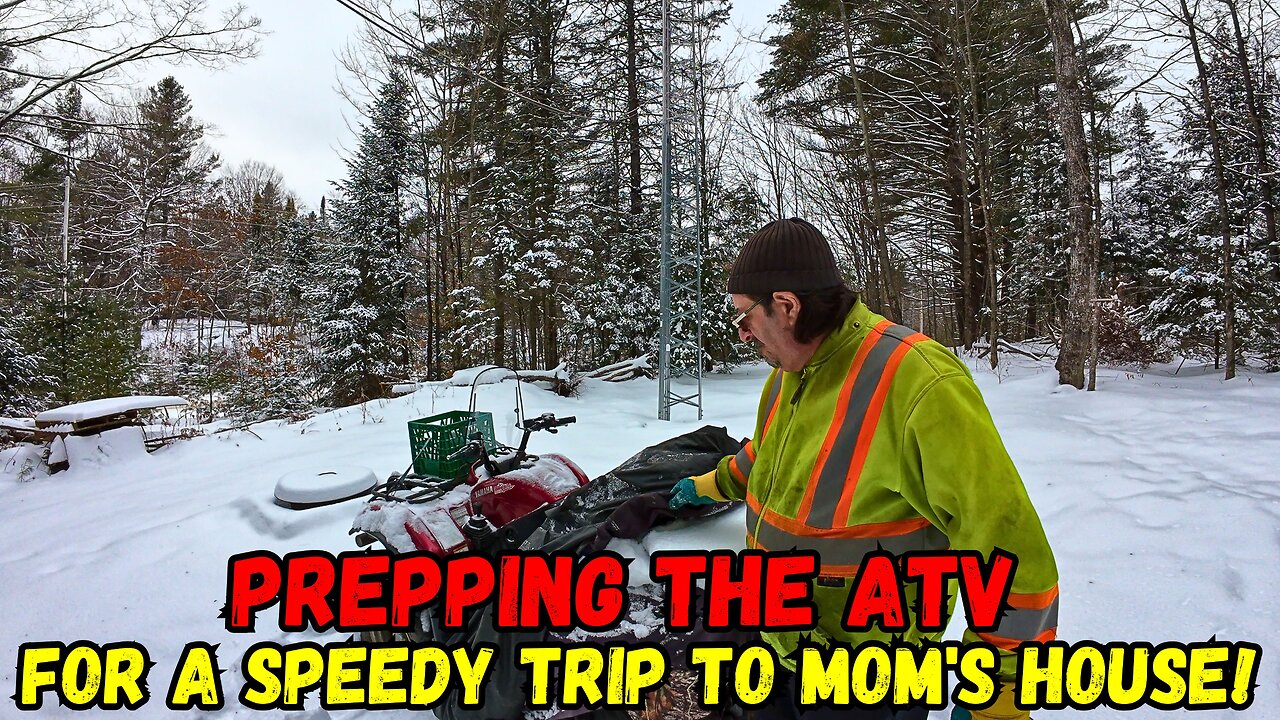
[538, 481]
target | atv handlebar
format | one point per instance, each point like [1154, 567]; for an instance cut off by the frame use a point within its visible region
[475, 449]
[548, 422]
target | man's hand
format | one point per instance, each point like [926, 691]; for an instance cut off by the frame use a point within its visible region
[1002, 709]
[686, 494]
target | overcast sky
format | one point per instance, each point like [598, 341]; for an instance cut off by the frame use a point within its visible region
[282, 107]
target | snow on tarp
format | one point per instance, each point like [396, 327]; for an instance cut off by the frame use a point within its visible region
[104, 407]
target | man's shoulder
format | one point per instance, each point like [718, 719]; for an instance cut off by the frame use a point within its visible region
[923, 361]
[926, 359]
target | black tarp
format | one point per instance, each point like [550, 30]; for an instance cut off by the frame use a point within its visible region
[625, 502]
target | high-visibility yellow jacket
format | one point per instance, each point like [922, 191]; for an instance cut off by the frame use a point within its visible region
[883, 440]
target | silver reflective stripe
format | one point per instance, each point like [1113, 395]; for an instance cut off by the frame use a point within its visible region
[835, 470]
[846, 551]
[1018, 624]
[775, 387]
[743, 461]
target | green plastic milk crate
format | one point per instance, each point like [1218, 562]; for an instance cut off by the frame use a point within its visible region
[433, 439]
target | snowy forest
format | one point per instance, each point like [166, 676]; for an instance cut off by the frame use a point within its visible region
[1087, 177]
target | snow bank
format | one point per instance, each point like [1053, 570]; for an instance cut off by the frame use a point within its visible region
[492, 374]
[22, 462]
[121, 445]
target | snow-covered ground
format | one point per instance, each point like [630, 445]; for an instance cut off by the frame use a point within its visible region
[1159, 493]
[181, 330]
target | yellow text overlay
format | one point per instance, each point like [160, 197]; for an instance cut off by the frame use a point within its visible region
[351, 675]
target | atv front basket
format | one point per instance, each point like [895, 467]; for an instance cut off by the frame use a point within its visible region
[433, 439]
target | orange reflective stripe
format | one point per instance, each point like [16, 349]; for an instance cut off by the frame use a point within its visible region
[825, 569]
[1005, 643]
[838, 417]
[870, 423]
[737, 473]
[834, 478]
[1033, 601]
[840, 550]
[865, 530]
[750, 450]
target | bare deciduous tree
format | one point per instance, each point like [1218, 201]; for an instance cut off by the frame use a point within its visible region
[53, 44]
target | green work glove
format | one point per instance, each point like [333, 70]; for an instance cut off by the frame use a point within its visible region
[686, 494]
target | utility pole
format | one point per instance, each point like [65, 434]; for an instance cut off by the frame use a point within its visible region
[66, 275]
[66, 236]
[680, 351]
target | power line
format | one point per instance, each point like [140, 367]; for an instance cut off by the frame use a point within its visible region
[7, 208]
[28, 186]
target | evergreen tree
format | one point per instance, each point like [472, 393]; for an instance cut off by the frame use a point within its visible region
[70, 123]
[363, 320]
[1036, 273]
[166, 172]
[613, 314]
[166, 146]
[293, 277]
[737, 212]
[23, 384]
[1149, 216]
[92, 346]
[1191, 294]
[275, 376]
[263, 249]
[21, 379]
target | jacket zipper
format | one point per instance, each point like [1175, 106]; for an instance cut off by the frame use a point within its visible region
[795, 396]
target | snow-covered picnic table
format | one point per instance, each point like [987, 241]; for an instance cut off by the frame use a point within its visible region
[91, 410]
[94, 417]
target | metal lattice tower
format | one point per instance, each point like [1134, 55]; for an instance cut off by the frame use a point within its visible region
[680, 353]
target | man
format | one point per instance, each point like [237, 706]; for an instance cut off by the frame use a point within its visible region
[868, 435]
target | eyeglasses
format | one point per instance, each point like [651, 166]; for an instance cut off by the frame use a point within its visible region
[737, 319]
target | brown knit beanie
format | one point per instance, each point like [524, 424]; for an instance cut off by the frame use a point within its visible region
[788, 255]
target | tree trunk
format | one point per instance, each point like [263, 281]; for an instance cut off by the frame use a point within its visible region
[633, 110]
[1220, 183]
[890, 300]
[1074, 347]
[982, 162]
[500, 160]
[1261, 151]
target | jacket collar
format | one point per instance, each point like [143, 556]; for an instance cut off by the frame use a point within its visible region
[853, 329]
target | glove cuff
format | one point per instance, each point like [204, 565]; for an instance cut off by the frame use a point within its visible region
[706, 486]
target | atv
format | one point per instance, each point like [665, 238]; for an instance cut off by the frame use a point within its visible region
[501, 498]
